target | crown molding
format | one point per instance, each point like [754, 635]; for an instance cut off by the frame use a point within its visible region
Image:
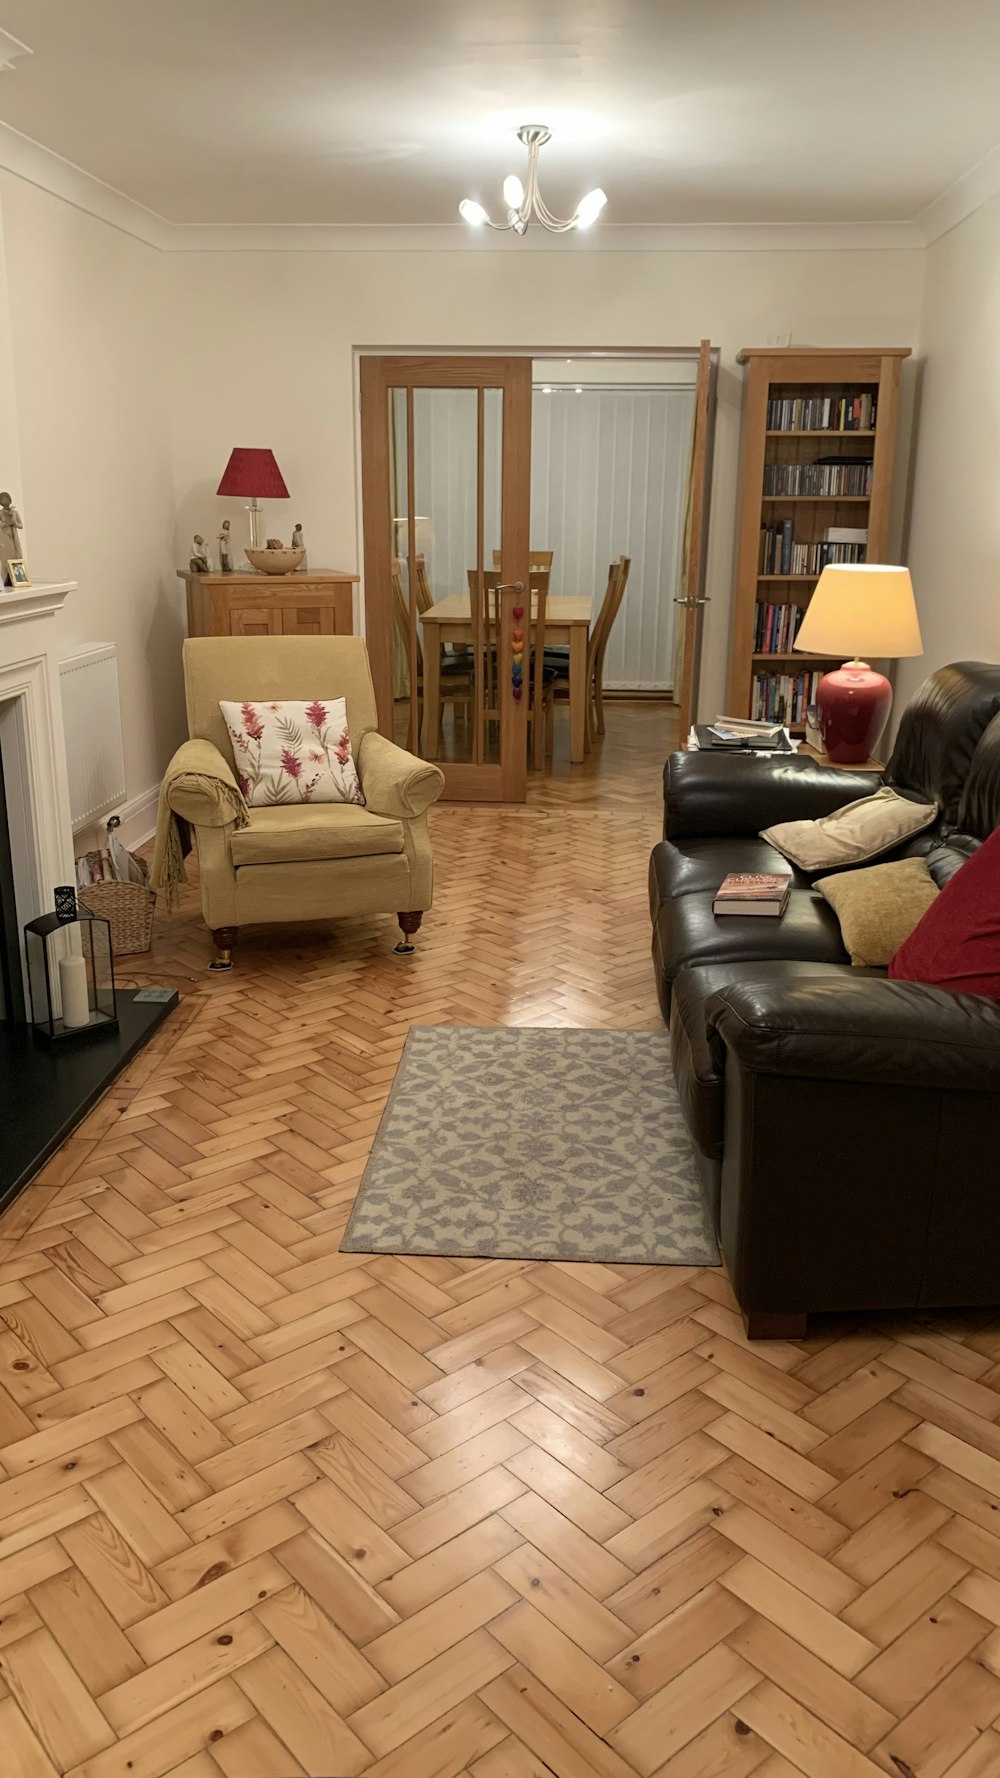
[39, 166]
[609, 238]
[969, 193]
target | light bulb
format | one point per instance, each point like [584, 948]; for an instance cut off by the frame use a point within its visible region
[579, 388]
[546, 388]
[590, 207]
[513, 192]
[472, 212]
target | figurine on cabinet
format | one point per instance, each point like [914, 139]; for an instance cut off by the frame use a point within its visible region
[200, 561]
[225, 543]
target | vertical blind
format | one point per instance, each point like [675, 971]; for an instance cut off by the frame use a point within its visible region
[609, 477]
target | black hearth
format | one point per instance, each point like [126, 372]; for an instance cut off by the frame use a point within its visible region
[45, 1093]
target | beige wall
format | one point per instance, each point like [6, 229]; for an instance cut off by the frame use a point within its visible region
[262, 354]
[954, 543]
[87, 332]
[136, 372]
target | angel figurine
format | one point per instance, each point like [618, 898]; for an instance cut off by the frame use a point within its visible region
[225, 543]
[200, 563]
[10, 540]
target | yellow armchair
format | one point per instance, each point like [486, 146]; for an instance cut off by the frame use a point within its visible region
[296, 862]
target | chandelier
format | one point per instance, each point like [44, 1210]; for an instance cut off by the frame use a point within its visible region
[525, 201]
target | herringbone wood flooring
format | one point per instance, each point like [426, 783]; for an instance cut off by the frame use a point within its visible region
[267, 1509]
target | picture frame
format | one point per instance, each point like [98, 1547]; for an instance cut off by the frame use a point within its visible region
[17, 570]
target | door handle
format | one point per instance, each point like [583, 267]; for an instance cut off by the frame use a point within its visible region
[691, 603]
[510, 586]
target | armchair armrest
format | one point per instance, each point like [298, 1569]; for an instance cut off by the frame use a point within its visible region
[200, 786]
[861, 1028]
[709, 795]
[396, 783]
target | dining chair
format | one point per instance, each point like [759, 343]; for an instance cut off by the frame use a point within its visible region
[557, 659]
[537, 559]
[456, 675]
[536, 678]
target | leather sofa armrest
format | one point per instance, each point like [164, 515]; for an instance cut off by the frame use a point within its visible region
[396, 783]
[200, 786]
[710, 795]
[862, 1029]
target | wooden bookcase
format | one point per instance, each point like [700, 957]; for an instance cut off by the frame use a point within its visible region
[789, 373]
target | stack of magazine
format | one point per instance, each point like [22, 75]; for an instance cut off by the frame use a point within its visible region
[741, 734]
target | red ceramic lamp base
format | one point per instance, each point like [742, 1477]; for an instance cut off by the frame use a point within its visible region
[853, 705]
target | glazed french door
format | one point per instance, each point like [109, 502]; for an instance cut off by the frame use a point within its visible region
[446, 483]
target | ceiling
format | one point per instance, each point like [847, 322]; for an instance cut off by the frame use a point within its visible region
[389, 111]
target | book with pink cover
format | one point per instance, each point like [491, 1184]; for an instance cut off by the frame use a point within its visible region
[753, 892]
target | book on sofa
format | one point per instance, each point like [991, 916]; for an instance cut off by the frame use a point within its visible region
[753, 892]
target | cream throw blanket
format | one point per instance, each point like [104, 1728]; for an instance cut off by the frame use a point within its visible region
[199, 789]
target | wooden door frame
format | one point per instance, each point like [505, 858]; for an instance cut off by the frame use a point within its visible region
[507, 781]
[693, 599]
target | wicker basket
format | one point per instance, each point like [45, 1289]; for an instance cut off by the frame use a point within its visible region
[128, 907]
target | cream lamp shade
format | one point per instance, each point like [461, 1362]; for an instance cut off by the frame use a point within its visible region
[862, 609]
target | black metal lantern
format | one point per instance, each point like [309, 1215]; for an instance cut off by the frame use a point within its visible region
[71, 978]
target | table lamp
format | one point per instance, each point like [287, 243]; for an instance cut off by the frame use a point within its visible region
[254, 476]
[867, 607]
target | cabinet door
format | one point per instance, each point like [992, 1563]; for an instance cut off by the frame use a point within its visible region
[255, 620]
[313, 618]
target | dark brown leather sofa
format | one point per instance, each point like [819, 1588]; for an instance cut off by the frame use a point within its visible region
[847, 1127]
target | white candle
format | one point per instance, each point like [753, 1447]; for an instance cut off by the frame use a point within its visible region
[73, 987]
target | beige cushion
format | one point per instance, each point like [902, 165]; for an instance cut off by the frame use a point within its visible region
[326, 830]
[879, 908]
[853, 834]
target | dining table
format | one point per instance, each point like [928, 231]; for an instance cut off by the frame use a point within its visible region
[567, 623]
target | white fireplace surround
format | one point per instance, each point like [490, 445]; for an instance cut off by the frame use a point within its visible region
[34, 750]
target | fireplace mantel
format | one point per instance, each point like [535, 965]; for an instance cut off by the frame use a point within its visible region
[19, 604]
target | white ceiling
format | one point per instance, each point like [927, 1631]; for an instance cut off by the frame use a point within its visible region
[389, 111]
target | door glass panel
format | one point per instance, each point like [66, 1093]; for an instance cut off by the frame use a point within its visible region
[456, 457]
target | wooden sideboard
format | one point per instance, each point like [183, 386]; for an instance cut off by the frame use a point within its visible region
[318, 602]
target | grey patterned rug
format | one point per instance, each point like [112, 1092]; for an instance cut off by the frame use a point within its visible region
[533, 1144]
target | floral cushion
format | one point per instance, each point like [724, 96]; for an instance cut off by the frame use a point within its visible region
[293, 753]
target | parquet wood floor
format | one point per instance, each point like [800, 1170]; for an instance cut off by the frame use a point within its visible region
[267, 1509]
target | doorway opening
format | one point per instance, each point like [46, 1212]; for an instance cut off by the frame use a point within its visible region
[576, 487]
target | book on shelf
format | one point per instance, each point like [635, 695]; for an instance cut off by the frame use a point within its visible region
[776, 627]
[753, 892]
[780, 553]
[783, 697]
[825, 478]
[822, 413]
[846, 534]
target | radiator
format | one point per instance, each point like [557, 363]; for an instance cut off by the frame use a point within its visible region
[92, 721]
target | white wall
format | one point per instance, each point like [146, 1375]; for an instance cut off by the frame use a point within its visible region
[954, 546]
[88, 325]
[261, 353]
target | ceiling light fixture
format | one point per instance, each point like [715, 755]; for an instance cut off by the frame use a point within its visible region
[525, 201]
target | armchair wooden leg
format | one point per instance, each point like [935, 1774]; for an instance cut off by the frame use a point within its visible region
[408, 925]
[225, 939]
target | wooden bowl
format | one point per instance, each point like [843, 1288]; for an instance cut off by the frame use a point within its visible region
[276, 561]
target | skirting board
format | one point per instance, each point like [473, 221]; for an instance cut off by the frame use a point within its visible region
[138, 823]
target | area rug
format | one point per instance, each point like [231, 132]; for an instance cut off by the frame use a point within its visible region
[533, 1144]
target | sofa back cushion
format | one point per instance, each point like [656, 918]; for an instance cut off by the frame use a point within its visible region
[940, 730]
[957, 943]
[271, 669]
[979, 811]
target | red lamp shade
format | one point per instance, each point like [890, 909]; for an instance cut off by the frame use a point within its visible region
[253, 474]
